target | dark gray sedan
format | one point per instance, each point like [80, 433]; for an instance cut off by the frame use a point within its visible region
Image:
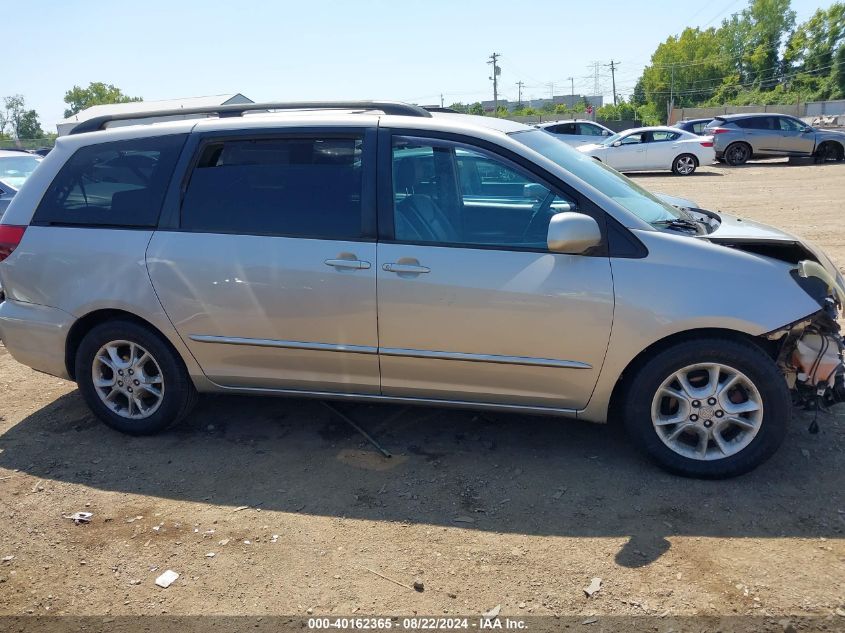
[740, 137]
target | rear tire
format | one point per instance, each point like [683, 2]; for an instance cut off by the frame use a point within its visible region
[684, 165]
[730, 402]
[132, 379]
[737, 154]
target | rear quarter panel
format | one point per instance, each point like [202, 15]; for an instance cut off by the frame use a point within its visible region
[82, 270]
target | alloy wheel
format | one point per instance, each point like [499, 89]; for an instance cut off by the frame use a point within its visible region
[128, 380]
[685, 165]
[737, 154]
[707, 411]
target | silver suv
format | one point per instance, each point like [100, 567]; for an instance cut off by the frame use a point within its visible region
[738, 138]
[374, 251]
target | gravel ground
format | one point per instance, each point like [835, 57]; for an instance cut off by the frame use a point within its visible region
[267, 506]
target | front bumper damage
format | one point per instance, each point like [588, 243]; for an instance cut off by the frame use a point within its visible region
[811, 353]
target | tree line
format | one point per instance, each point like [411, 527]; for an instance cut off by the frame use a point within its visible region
[757, 56]
[18, 123]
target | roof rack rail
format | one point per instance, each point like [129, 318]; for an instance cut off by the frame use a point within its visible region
[440, 109]
[235, 110]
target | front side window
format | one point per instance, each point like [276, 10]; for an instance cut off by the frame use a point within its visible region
[633, 139]
[790, 125]
[587, 129]
[452, 194]
[303, 187]
[117, 184]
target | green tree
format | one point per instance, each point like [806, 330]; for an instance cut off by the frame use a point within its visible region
[460, 107]
[837, 75]
[30, 126]
[16, 121]
[476, 108]
[685, 69]
[97, 93]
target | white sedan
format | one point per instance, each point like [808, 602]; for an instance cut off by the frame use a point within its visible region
[654, 148]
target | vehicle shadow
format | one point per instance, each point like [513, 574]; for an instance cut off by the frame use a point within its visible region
[665, 174]
[501, 473]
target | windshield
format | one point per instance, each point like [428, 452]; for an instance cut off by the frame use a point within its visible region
[610, 140]
[15, 169]
[610, 182]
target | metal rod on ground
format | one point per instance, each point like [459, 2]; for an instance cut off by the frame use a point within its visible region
[355, 426]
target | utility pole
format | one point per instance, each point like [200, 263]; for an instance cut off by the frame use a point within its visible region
[613, 66]
[441, 99]
[671, 104]
[519, 85]
[494, 58]
[571, 92]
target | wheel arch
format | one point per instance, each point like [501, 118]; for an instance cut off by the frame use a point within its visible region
[85, 324]
[617, 397]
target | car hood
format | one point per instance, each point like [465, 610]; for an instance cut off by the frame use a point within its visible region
[732, 227]
[768, 241]
[589, 147]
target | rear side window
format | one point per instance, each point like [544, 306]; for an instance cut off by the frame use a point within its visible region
[759, 123]
[302, 187]
[118, 184]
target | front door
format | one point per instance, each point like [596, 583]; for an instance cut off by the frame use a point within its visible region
[471, 304]
[793, 138]
[269, 274]
[630, 154]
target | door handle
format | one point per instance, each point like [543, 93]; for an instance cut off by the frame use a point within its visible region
[405, 268]
[349, 264]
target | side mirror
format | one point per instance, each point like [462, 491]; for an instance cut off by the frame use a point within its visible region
[807, 129]
[617, 144]
[572, 233]
[605, 133]
[534, 191]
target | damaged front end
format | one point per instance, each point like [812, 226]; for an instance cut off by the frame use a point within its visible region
[811, 353]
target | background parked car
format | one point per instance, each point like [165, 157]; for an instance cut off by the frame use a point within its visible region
[696, 126]
[740, 137]
[576, 132]
[654, 148]
[15, 168]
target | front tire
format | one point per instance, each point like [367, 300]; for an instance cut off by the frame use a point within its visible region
[737, 154]
[684, 165]
[828, 151]
[709, 408]
[132, 379]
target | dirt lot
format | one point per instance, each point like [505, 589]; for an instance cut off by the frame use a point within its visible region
[485, 510]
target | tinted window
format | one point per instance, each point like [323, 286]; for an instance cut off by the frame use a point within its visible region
[495, 204]
[759, 123]
[118, 184]
[563, 128]
[297, 187]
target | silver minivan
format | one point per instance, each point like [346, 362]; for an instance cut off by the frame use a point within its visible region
[375, 251]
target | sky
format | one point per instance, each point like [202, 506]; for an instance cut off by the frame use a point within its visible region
[366, 49]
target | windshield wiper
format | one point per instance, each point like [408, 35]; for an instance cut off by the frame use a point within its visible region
[680, 223]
